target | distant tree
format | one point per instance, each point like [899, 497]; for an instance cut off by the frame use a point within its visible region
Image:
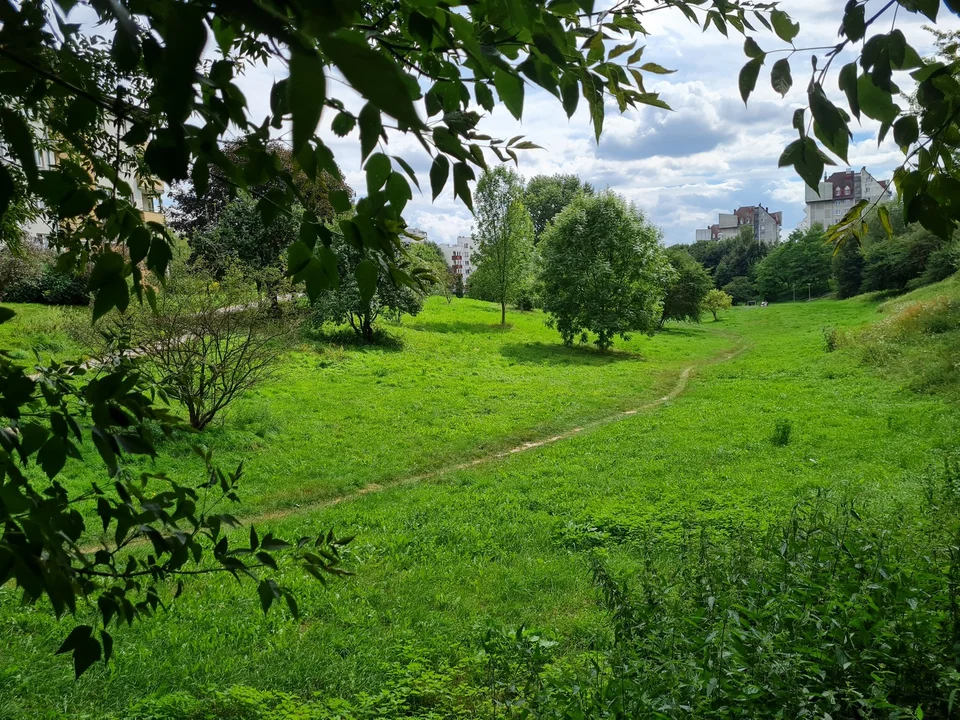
[740, 289]
[802, 263]
[740, 254]
[358, 302]
[193, 212]
[240, 235]
[603, 270]
[547, 195]
[708, 253]
[504, 239]
[430, 257]
[717, 301]
[847, 266]
[458, 288]
[684, 294]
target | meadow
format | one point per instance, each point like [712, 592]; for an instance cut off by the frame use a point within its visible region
[461, 545]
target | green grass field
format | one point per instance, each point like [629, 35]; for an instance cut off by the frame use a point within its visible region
[440, 559]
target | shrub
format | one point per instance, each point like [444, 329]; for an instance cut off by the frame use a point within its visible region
[781, 433]
[32, 277]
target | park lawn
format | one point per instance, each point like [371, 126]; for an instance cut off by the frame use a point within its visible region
[449, 385]
[506, 542]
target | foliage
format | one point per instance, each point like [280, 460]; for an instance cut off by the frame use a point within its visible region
[546, 195]
[803, 263]
[603, 271]
[206, 344]
[32, 276]
[740, 289]
[430, 257]
[365, 291]
[504, 238]
[239, 237]
[716, 301]
[782, 429]
[685, 293]
[847, 266]
[196, 211]
[729, 258]
[926, 130]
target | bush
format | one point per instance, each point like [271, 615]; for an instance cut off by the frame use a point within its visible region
[32, 277]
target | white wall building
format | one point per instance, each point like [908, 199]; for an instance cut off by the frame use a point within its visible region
[460, 256]
[766, 225]
[838, 193]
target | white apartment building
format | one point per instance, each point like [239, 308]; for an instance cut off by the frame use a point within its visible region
[766, 225]
[460, 256]
[839, 192]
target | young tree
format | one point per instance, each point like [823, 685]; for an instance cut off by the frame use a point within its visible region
[430, 257]
[685, 293]
[717, 301]
[603, 270]
[358, 302]
[546, 195]
[504, 239]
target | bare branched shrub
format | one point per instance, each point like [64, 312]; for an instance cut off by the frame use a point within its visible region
[209, 342]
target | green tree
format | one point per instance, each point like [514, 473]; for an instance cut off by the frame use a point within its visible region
[716, 301]
[847, 266]
[741, 289]
[802, 264]
[430, 258]
[603, 271]
[504, 238]
[546, 195]
[739, 256]
[684, 294]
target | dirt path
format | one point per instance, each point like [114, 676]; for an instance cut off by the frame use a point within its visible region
[679, 386]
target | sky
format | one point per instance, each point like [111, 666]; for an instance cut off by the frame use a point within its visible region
[711, 154]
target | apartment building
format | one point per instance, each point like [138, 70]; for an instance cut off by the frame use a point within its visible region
[460, 256]
[839, 192]
[147, 198]
[766, 225]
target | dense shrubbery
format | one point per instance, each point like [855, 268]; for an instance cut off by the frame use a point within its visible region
[32, 277]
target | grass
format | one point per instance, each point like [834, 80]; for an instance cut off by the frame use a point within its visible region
[498, 545]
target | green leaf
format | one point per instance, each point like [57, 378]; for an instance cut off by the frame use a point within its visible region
[830, 126]
[637, 54]
[484, 95]
[570, 93]
[398, 191]
[854, 22]
[462, 175]
[884, 214]
[848, 84]
[752, 50]
[928, 212]
[783, 26]
[17, 135]
[807, 160]
[267, 594]
[366, 275]
[656, 69]
[906, 131]
[439, 172]
[370, 129]
[376, 78]
[343, 124]
[185, 33]
[306, 94]
[748, 77]
[378, 170]
[85, 648]
[510, 89]
[298, 255]
[875, 102]
[780, 77]
[621, 50]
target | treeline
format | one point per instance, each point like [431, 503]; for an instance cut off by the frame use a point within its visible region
[805, 265]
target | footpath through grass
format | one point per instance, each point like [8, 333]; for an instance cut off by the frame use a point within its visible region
[500, 544]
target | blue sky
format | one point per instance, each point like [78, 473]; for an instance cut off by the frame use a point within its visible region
[710, 155]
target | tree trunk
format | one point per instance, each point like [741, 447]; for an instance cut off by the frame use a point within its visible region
[503, 313]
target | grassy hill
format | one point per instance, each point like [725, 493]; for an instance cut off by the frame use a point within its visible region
[460, 542]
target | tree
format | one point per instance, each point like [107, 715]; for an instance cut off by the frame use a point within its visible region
[240, 236]
[847, 267]
[504, 238]
[740, 289]
[717, 301]
[144, 79]
[685, 292]
[430, 258]
[740, 255]
[802, 263]
[207, 347]
[359, 300]
[603, 271]
[546, 195]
